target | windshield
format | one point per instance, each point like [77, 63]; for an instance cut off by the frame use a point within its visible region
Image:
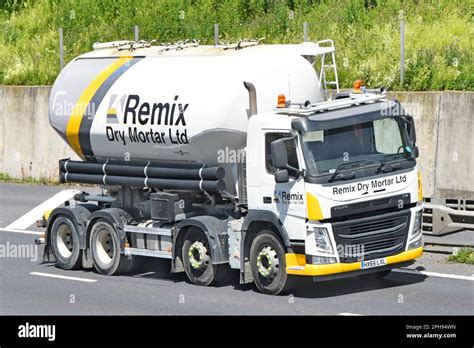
[359, 144]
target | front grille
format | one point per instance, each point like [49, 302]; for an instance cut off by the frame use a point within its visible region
[373, 237]
[374, 203]
[397, 202]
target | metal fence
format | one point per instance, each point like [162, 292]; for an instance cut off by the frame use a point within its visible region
[216, 43]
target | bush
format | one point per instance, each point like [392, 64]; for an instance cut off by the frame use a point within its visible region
[463, 255]
[438, 35]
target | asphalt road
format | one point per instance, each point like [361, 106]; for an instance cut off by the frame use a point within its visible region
[152, 290]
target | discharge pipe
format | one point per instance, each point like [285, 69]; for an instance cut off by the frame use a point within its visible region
[171, 184]
[151, 171]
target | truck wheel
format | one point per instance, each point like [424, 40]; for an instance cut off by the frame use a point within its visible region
[197, 258]
[65, 243]
[105, 248]
[268, 264]
[375, 275]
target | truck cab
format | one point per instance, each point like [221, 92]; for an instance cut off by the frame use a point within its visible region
[341, 179]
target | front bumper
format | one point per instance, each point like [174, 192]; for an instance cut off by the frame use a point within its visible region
[296, 264]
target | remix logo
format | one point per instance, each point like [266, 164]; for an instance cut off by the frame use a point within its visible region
[112, 109]
[165, 122]
[288, 197]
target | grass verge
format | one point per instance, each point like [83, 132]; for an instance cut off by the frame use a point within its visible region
[463, 255]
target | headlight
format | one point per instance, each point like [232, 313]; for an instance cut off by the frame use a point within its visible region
[416, 231]
[323, 243]
[417, 225]
[416, 244]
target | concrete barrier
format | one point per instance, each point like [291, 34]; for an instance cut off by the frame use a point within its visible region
[455, 172]
[445, 135]
[29, 147]
[424, 107]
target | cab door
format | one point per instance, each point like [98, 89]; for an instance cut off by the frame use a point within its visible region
[287, 199]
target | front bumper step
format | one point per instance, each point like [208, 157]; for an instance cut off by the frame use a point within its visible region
[296, 264]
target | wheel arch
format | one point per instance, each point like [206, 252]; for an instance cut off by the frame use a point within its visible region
[78, 214]
[116, 216]
[215, 230]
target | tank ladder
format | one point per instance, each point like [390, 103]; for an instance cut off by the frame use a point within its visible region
[324, 66]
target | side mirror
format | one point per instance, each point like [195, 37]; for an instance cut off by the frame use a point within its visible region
[281, 176]
[411, 130]
[415, 151]
[279, 154]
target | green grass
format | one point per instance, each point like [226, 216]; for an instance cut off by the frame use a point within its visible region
[4, 177]
[463, 255]
[439, 34]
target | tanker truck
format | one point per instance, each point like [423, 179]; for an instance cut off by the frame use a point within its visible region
[232, 157]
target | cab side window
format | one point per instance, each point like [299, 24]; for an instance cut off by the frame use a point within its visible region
[290, 148]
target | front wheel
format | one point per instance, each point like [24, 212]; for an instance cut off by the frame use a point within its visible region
[197, 259]
[268, 264]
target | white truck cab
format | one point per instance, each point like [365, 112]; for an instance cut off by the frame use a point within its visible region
[342, 180]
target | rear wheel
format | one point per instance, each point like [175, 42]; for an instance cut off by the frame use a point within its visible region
[268, 264]
[197, 259]
[65, 243]
[105, 249]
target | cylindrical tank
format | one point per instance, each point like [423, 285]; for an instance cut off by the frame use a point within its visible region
[155, 104]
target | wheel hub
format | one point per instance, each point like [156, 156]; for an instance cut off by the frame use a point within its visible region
[105, 246]
[267, 262]
[65, 241]
[198, 256]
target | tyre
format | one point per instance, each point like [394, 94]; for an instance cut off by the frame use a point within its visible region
[105, 249]
[65, 243]
[197, 259]
[375, 275]
[268, 264]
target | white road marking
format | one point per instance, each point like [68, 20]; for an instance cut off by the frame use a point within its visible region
[86, 280]
[349, 314]
[12, 230]
[36, 213]
[434, 274]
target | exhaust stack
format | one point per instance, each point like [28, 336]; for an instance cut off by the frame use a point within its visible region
[252, 97]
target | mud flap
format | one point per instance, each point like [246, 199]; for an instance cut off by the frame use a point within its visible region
[246, 276]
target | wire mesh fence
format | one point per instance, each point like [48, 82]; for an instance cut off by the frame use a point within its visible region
[209, 37]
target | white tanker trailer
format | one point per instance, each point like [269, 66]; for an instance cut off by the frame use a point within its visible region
[218, 157]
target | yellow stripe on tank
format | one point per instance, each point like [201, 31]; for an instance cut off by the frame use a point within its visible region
[74, 123]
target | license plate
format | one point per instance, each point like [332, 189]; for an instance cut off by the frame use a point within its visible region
[373, 263]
